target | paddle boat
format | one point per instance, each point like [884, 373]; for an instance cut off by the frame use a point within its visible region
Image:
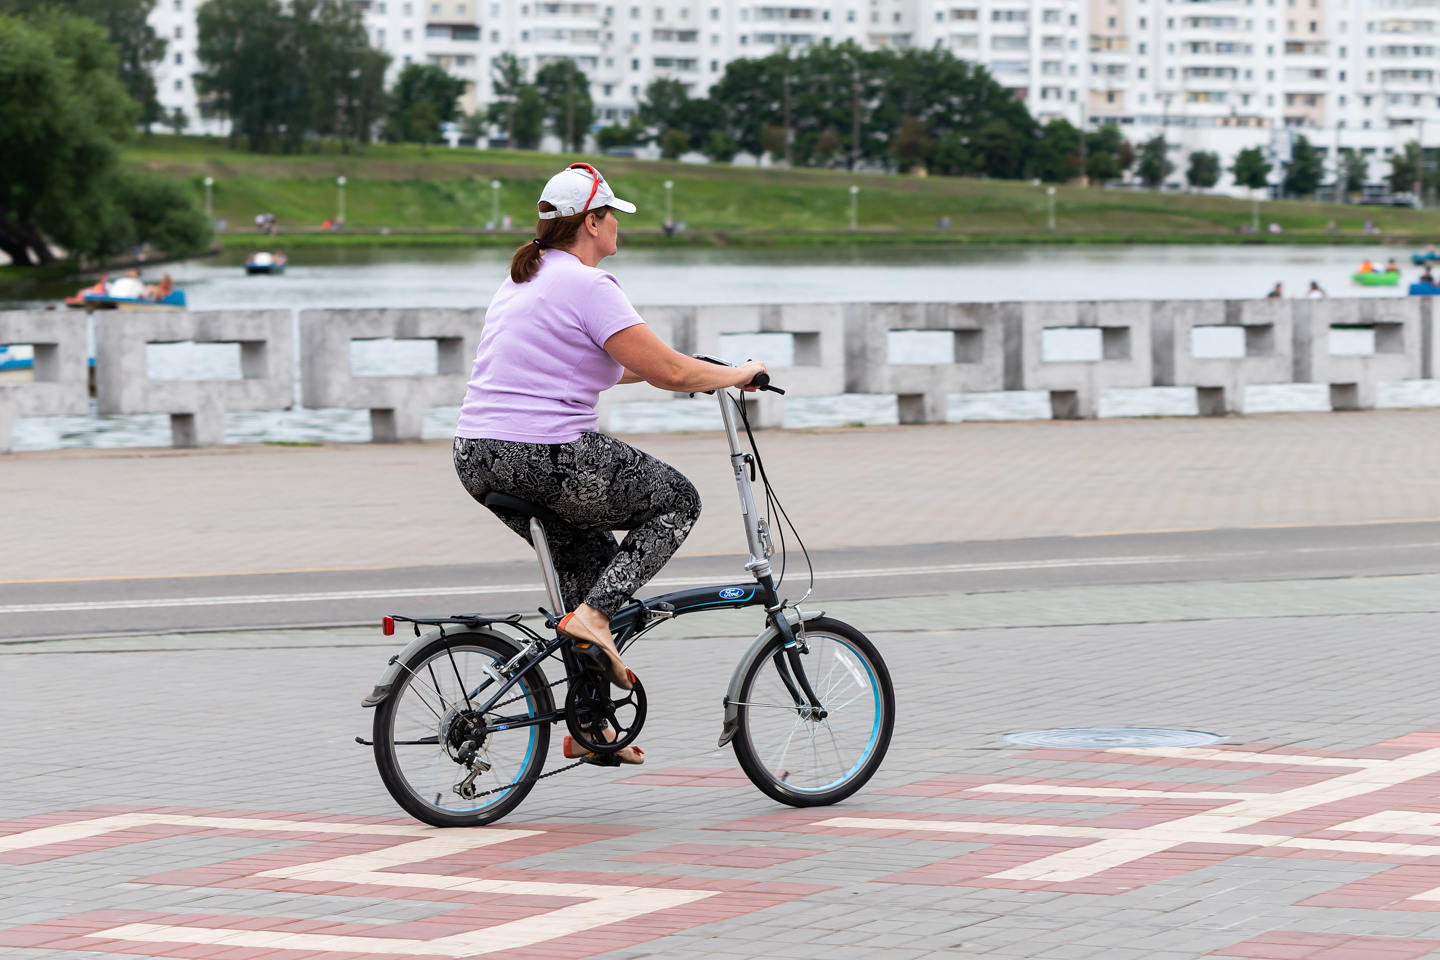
[1424, 289]
[263, 261]
[1429, 256]
[1376, 278]
[16, 360]
[175, 299]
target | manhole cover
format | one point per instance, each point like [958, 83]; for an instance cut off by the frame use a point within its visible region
[1103, 738]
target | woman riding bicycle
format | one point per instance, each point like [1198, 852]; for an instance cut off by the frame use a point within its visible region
[557, 332]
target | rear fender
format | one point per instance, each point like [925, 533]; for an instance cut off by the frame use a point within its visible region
[388, 679]
[732, 695]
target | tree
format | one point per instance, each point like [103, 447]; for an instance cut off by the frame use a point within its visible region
[784, 103]
[566, 89]
[827, 144]
[673, 143]
[911, 145]
[528, 117]
[347, 75]
[284, 71]
[720, 146]
[1306, 169]
[424, 97]
[1155, 163]
[952, 155]
[1057, 155]
[63, 111]
[621, 134]
[1204, 170]
[1406, 167]
[665, 106]
[507, 76]
[1354, 171]
[128, 29]
[1107, 155]
[1000, 149]
[177, 121]
[1251, 169]
[773, 140]
[472, 126]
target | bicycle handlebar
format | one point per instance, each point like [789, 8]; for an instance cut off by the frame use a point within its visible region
[761, 381]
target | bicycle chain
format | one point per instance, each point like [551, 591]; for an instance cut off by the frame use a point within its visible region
[526, 783]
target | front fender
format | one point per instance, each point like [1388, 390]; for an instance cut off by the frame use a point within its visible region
[732, 695]
[392, 670]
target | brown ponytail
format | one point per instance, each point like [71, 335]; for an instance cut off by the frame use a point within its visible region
[559, 233]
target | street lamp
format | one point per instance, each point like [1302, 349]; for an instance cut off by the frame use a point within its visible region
[495, 203]
[209, 207]
[669, 189]
[854, 206]
[1050, 193]
[340, 219]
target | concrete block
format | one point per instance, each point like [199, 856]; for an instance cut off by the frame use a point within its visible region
[818, 334]
[60, 372]
[973, 359]
[1398, 329]
[1074, 386]
[1263, 340]
[397, 404]
[675, 326]
[197, 407]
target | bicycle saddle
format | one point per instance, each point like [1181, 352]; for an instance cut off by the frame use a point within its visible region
[509, 504]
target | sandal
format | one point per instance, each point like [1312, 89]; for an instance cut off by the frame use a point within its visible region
[628, 755]
[586, 644]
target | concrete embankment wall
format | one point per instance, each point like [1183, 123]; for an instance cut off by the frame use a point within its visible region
[833, 348]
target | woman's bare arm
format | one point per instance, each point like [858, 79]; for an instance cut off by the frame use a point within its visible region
[649, 358]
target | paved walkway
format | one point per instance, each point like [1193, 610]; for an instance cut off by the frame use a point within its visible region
[201, 796]
[251, 509]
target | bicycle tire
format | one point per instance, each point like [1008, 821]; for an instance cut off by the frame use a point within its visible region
[862, 677]
[531, 696]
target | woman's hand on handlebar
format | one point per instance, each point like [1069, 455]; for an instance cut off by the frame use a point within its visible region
[746, 373]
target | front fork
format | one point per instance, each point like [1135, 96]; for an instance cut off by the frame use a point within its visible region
[787, 659]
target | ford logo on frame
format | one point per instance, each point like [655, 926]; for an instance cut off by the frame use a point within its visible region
[731, 593]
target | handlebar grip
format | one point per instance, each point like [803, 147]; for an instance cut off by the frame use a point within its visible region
[761, 381]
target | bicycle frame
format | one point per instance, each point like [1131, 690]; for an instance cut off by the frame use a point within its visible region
[639, 617]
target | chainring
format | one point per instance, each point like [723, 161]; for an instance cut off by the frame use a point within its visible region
[590, 710]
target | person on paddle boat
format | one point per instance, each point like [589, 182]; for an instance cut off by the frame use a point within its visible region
[1367, 267]
[161, 290]
[96, 289]
[1391, 266]
[557, 332]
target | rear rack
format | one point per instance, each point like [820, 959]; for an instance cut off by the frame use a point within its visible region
[470, 620]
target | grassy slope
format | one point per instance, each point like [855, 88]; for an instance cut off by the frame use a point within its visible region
[413, 188]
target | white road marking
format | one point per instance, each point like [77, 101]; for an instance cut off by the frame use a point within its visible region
[475, 590]
[1116, 847]
[601, 903]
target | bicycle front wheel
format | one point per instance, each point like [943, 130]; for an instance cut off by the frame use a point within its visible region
[792, 754]
[429, 733]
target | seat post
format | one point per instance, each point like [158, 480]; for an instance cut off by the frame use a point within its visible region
[547, 567]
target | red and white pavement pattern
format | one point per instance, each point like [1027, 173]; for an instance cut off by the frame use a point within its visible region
[507, 914]
[1378, 805]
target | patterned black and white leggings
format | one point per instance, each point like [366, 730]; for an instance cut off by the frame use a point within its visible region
[598, 484]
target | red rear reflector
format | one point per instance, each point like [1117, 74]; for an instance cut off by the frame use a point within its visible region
[387, 626]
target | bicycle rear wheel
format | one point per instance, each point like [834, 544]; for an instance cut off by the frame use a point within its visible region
[431, 717]
[789, 753]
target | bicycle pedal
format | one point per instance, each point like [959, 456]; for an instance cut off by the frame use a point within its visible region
[601, 759]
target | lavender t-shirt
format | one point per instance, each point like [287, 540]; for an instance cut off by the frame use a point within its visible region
[542, 361]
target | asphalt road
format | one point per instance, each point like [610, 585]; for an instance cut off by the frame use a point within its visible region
[32, 610]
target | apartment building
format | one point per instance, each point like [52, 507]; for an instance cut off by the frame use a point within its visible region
[1216, 75]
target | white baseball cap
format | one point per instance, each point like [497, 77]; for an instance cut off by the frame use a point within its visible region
[577, 188]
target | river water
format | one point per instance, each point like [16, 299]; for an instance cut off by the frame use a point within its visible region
[445, 277]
